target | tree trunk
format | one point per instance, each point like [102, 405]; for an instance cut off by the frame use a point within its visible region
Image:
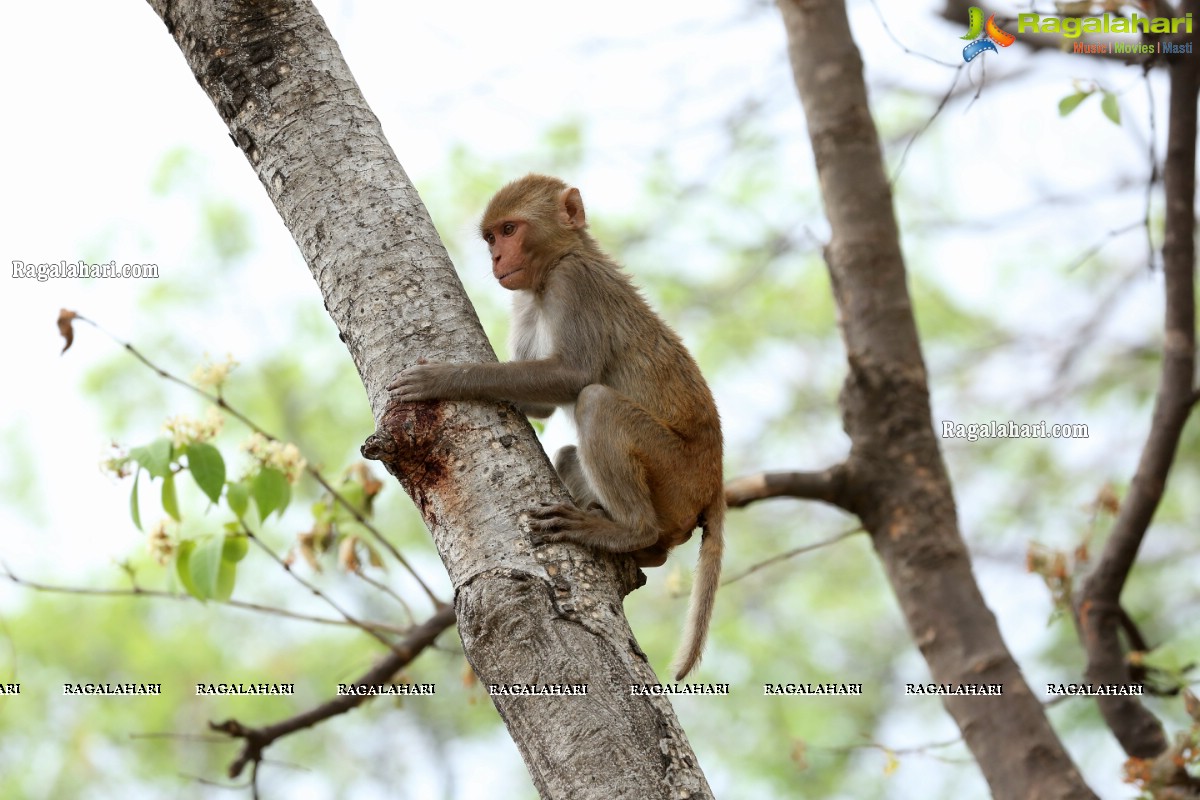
[896, 481]
[278, 80]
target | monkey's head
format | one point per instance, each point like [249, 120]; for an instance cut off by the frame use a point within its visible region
[529, 225]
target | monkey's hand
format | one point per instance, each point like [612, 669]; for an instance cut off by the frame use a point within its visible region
[423, 381]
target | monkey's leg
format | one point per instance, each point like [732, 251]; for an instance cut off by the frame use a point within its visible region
[536, 410]
[570, 472]
[624, 453]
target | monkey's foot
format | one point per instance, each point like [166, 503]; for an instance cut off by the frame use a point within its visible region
[561, 523]
[591, 527]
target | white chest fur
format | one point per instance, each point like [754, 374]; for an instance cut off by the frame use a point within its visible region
[532, 335]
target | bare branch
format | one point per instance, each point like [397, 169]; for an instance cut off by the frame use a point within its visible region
[828, 486]
[808, 548]
[325, 598]
[137, 591]
[402, 653]
[387, 590]
[897, 481]
[1097, 608]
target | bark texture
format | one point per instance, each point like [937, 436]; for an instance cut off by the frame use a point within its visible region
[279, 82]
[1098, 612]
[894, 479]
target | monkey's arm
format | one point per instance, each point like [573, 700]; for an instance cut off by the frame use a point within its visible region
[582, 349]
[537, 384]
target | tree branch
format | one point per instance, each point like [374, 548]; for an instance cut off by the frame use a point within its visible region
[402, 653]
[796, 551]
[525, 615]
[897, 481]
[1097, 608]
[137, 591]
[828, 486]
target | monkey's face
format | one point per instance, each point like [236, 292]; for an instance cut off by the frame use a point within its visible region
[506, 243]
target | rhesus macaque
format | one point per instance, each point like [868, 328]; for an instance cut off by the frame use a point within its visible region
[647, 470]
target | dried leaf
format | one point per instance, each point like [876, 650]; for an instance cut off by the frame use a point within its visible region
[469, 678]
[65, 317]
[1192, 704]
[305, 546]
[348, 555]
[1107, 500]
[799, 754]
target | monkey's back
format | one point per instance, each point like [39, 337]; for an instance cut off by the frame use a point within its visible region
[639, 355]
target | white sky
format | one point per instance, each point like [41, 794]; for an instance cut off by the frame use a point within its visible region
[92, 123]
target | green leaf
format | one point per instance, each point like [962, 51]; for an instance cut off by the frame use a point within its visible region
[207, 468]
[235, 548]
[354, 494]
[1108, 104]
[134, 511]
[204, 566]
[226, 578]
[155, 457]
[1175, 656]
[238, 497]
[1071, 102]
[183, 567]
[170, 499]
[270, 492]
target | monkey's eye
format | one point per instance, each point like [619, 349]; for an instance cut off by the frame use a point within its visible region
[490, 238]
[509, 228]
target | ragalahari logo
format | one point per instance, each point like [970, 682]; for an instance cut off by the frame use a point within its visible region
[991, 33]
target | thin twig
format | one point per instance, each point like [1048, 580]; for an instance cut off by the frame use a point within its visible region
[799, 551]
[404, 651]
[316, 592]
[385, 589]
[137, 591]
[220, 402]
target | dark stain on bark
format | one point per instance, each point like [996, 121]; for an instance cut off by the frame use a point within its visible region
[413, 444]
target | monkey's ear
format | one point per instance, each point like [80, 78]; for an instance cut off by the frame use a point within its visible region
[570, 207]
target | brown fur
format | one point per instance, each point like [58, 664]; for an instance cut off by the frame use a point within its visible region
[647, 470]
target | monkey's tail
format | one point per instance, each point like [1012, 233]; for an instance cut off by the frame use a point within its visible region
[704, 590]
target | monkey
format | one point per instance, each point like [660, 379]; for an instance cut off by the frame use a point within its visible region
[647, 470]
